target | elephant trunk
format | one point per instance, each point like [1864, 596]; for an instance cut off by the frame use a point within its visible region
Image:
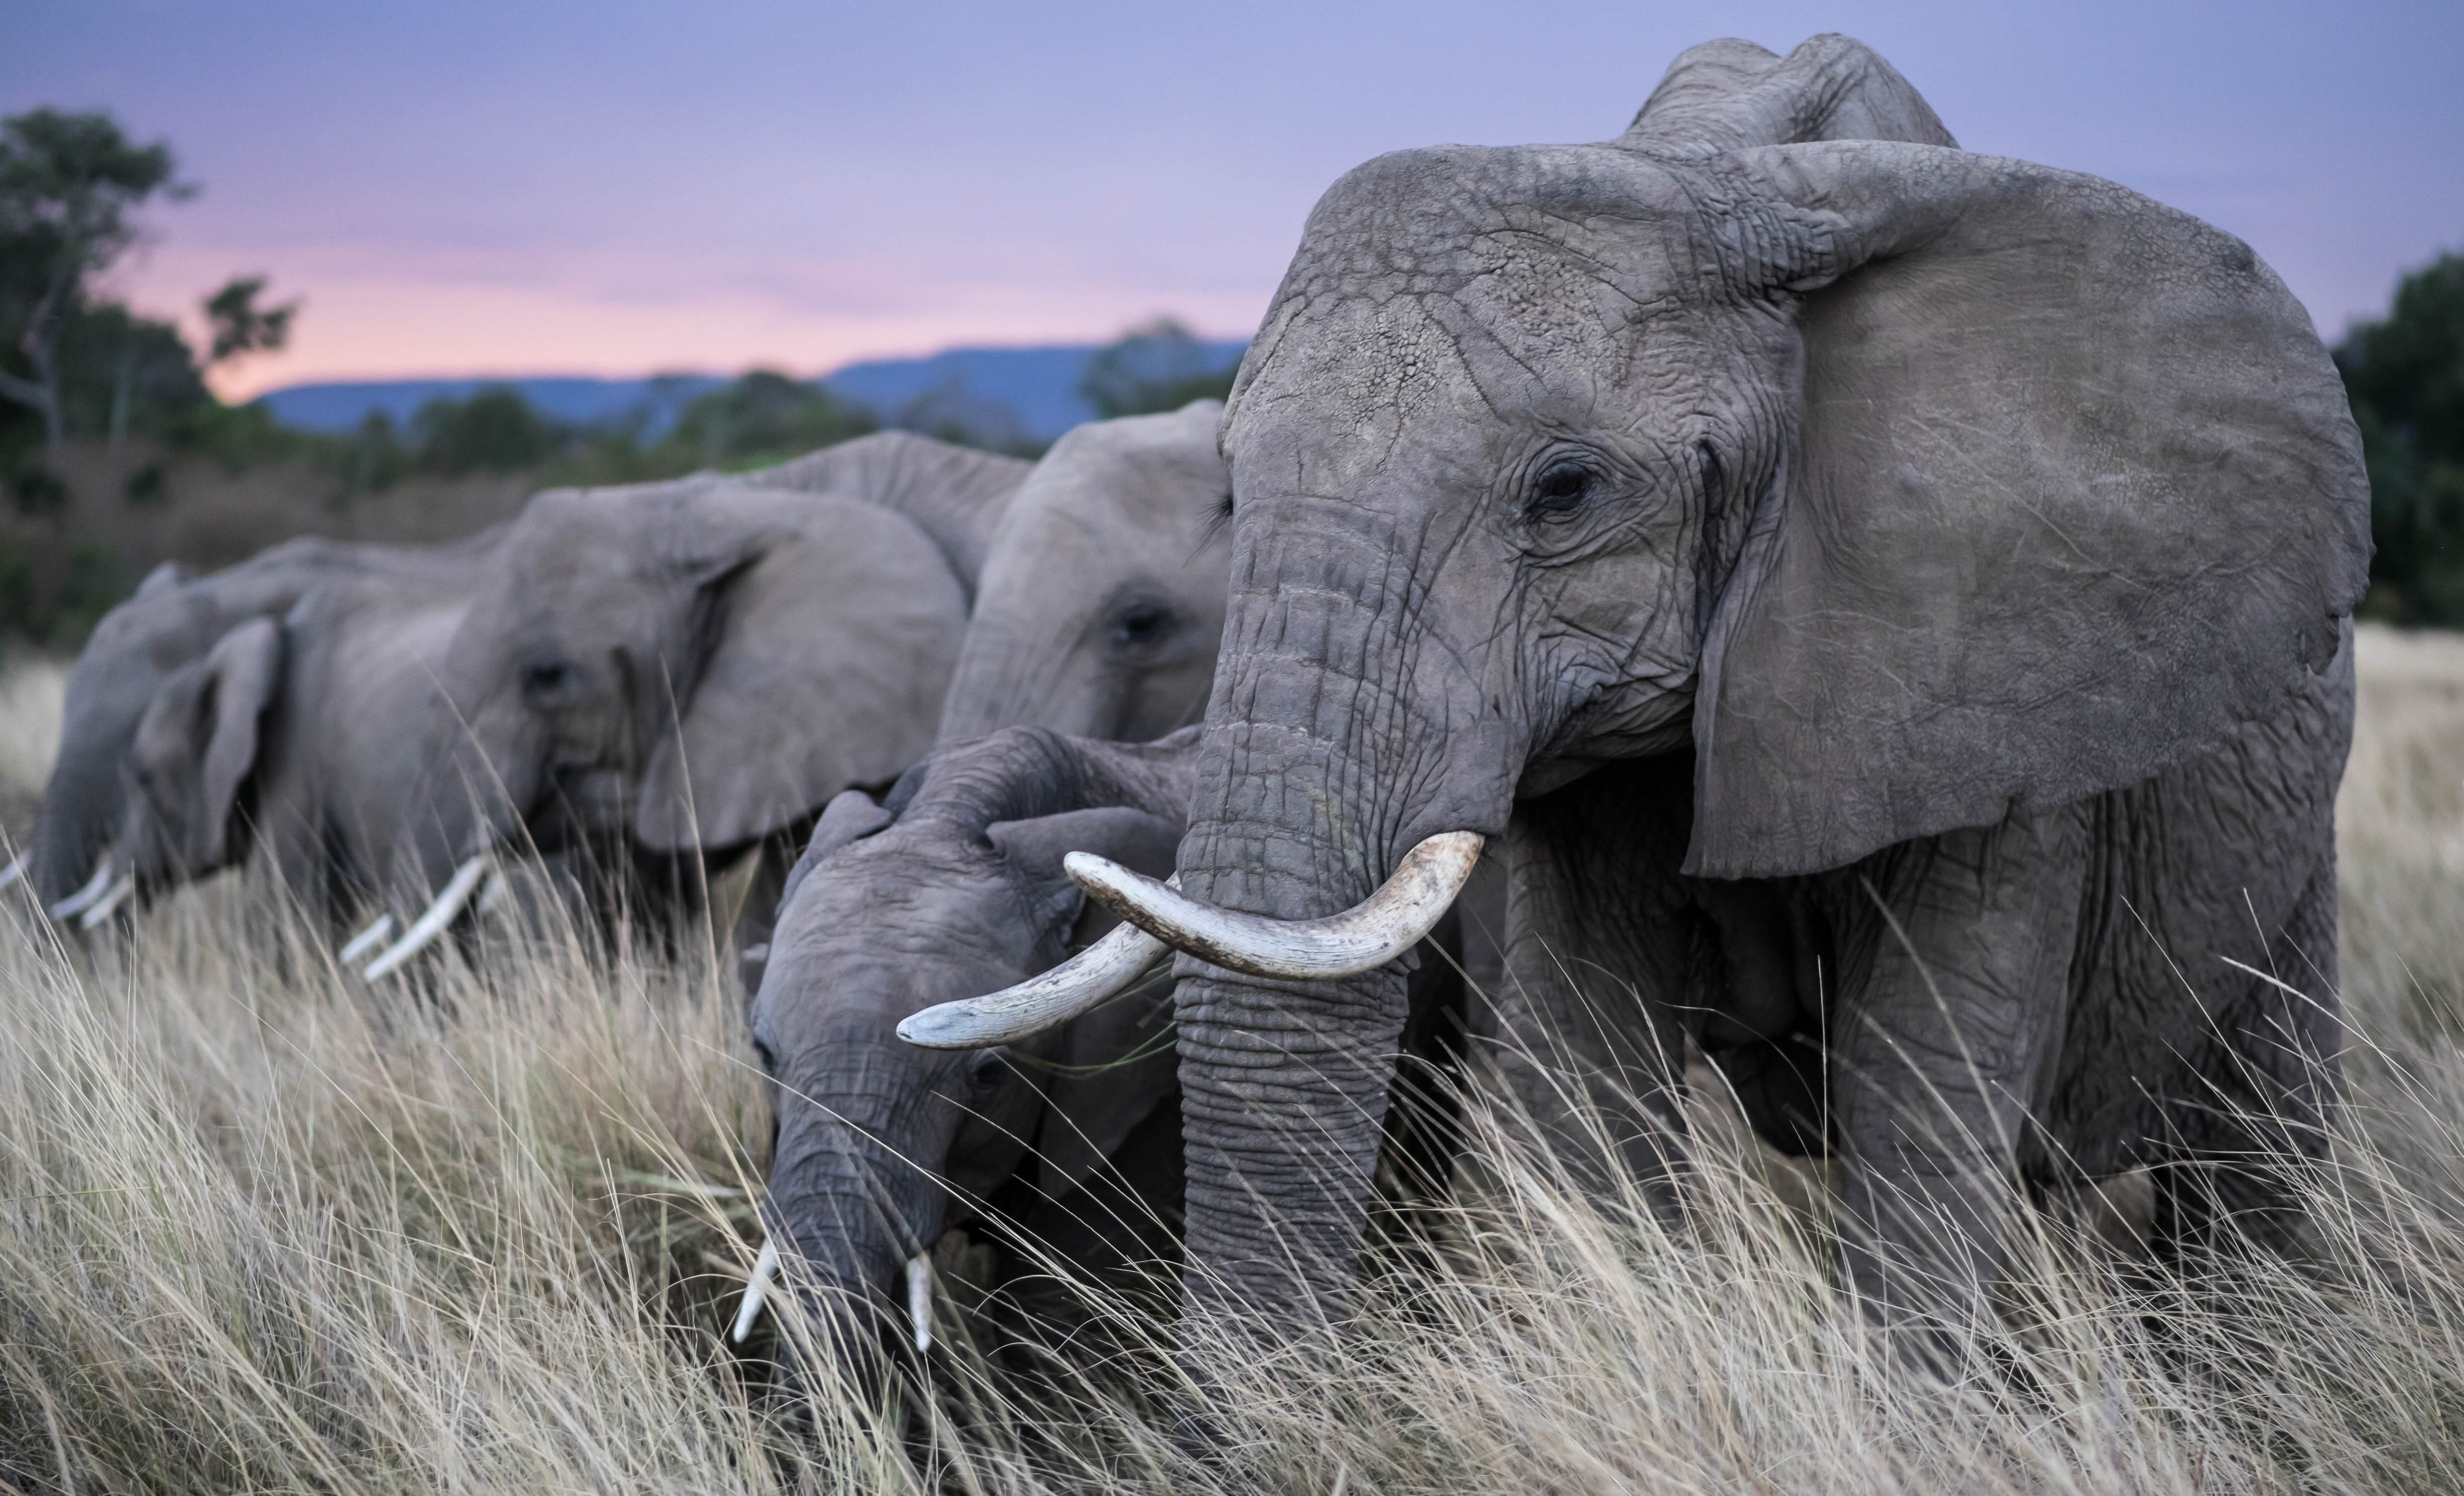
[1324, 761]
[852, 1195]
[83, 804]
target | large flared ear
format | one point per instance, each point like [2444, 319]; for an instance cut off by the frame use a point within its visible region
[827, 655]
[1728, 95]
[1117, 1062]
[2074, 493]
[957, 494]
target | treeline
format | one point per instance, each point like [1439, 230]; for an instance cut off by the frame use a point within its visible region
[2405, 374]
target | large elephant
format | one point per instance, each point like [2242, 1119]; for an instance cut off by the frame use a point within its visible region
[676, 672]
[167, 677]
[1893, 602]
[1101, 606]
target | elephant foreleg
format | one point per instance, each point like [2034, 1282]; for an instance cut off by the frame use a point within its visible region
[1949, 1008]
[1601, 939]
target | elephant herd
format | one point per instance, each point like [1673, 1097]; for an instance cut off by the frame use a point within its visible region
[1770, 596]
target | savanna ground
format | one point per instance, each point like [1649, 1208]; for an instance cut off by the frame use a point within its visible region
[260, 1230]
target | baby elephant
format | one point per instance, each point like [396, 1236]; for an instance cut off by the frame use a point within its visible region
[1067, 1145]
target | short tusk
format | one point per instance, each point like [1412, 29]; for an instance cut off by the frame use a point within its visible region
[1080, 984]
[15, 870]
[919, 1298]
[112, 899]
[756, 1288]
[1363, 938]
[94, 888]
[494, 894]
[425, 930]
[366, 941]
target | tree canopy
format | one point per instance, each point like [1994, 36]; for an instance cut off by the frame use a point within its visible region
[2404, 374]
[70, 187]
[1156, 368]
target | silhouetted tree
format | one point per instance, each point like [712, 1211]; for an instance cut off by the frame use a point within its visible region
[239, 325]
[2405, 374]
[70, 186]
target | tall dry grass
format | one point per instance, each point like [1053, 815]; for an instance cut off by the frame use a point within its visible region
[261, 1230]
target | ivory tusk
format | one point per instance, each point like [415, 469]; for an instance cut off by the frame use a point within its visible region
[919, 1298]
[15, 870]
[1080, 984]
[94, 888]
[756, 1288]
[365, 941]
[494, 894]
[425, 930]
[1363, 938]
[112, 899]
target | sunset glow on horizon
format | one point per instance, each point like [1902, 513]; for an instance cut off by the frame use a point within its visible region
[456, 188]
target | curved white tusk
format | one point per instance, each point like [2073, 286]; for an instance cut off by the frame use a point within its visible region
[430, 925]
[1363, 938]
[112, 899]
[15, 870]
[366, 941]
[494, 894]
[756, 1288]
[1086, 982]
[94, 888]
[919, 1298]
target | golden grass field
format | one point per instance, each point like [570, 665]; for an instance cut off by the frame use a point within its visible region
[260, 1231]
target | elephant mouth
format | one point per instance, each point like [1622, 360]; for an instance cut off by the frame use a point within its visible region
[762, 1282]
[1159, 918]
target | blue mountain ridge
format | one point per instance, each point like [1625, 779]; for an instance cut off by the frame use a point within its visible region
[1035, 386]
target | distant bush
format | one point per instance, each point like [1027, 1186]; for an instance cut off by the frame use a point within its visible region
[2405, 374]
[1156, 367]
[495, 429]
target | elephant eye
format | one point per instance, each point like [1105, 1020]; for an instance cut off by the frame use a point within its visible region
[1559, 491]
[1140, 623]
[987, 1069]
[547, 677]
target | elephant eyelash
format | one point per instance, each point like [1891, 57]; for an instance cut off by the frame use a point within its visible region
[1217, 522]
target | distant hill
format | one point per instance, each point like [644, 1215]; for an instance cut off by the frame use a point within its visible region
[1033, 389]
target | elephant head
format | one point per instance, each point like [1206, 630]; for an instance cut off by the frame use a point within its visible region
[692, 666]
[1102, 600]
[1898, 485]
[881, 1146]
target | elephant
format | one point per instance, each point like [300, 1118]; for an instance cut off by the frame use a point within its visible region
[1894, 604]
[295, 736]
[1064, 1147]
[1068, 1141]
[1101, 605]
[191, 664]
[662, 677]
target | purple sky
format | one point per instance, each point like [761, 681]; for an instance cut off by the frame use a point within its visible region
[620, 187]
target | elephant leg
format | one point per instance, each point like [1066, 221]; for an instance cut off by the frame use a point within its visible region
[2253, 1130]
[1953, 995]
[1601, 941]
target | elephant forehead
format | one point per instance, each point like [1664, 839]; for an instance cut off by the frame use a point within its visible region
[1442, 287]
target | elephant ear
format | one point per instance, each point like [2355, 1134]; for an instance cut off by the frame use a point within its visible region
[1116, 1062]
[207, 716]
[827, 652]
[1728, 95]
[2075, 491]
